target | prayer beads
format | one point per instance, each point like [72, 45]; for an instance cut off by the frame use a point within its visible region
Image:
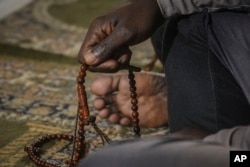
[83, 119]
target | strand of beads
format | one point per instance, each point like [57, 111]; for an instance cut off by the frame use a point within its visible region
[83, 118]
[134, 101]
[34, 151]
[79, 144]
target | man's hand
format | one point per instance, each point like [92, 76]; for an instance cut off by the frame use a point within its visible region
[106, 45]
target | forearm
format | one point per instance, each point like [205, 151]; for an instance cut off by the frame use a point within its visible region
[170, 8]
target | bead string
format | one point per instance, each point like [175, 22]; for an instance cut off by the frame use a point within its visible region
[134, 101]
[83, 119]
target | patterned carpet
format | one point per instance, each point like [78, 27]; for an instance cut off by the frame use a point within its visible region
[39, 98]
[12, 152]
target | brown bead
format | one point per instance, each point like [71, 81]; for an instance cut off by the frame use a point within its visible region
[84, 67]
[59, 136]
[134, 107]
[79, 144]
[135, 114]
[77, 156]
[132, 82]
[134, 101]
[133, 95]
[79, 149]
[79, 89]
[80, 123]
[131, 76]
[132, 89]
[80, 117]
[81, 137]
[135, 120]
[80, 80]
[80, 131]
[86, 118]
[82, 74]
[53, 136]
[70, 137]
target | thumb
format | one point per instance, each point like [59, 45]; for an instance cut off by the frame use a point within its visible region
[107, 48]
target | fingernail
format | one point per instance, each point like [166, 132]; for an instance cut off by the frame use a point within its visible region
[99, 49]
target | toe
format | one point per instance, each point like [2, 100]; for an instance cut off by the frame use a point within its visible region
[105, 85]
[125, 121]
[98, 103]
[114, 118]
[104, 113]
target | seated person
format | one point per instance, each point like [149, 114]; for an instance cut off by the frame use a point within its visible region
[206, 60]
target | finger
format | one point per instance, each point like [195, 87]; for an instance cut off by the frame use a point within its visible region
[123, 56]
[97, 31]
[106, 48]
[90, 41]
[119, 61]
[109, 66]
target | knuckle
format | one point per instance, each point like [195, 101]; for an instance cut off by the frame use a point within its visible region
[89, 60]
[98, 21]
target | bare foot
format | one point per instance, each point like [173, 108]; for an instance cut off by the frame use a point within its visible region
[113, 102]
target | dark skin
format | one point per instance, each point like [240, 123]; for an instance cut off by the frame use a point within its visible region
[106, 44]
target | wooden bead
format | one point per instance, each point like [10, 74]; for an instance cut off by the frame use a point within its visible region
[80, 131]
[84, 67]
[131, 76]
[81, 137]
[82, 74]
[77, 155]
[79, 144]
[135, 114]
[134, 101]
[134, 107]
[80, 117]
[133, 95]
[80, 80]
[135, 120]
[132, 82]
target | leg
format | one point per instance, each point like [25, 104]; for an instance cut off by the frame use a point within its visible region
[160, 151]
[202, 92]
[168, 151]
[229, 40]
